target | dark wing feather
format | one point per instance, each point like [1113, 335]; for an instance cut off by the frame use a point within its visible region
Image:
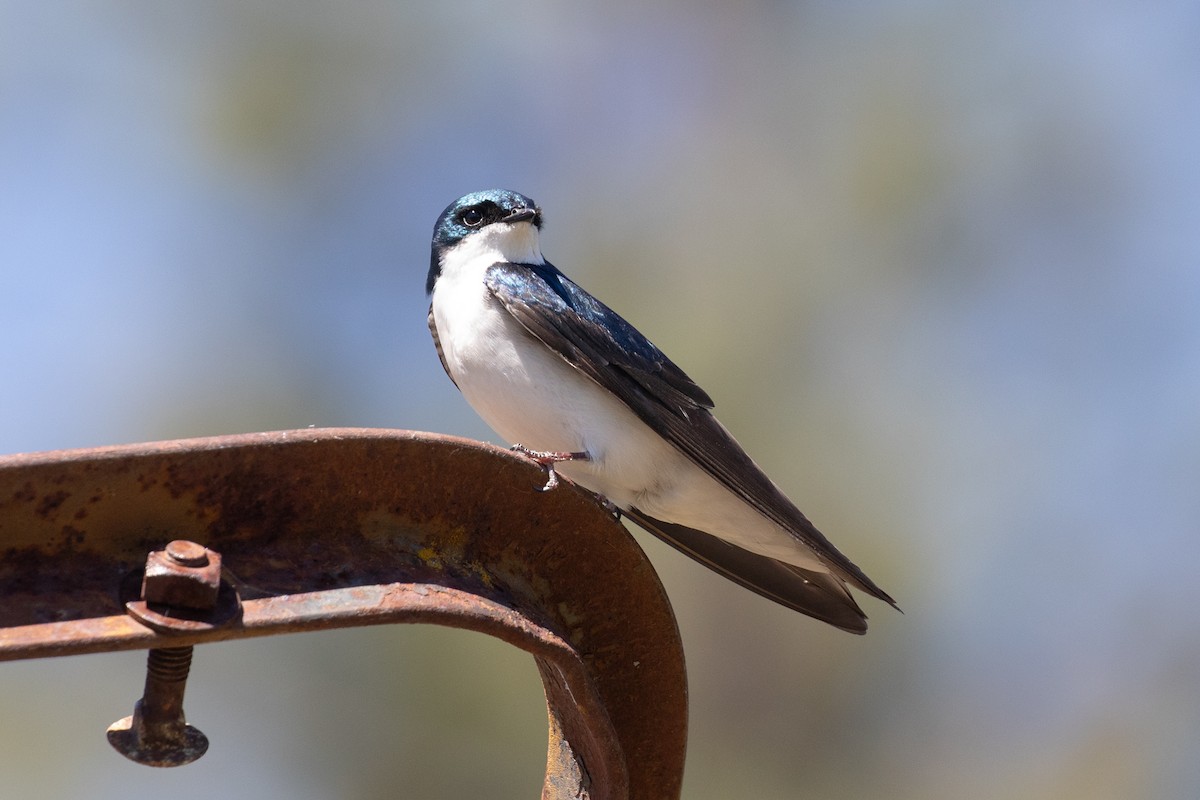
[600, 344]
[592, 337]
[817, 594]
[437, 345]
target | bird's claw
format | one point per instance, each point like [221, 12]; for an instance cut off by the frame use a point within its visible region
[551, 478]
[609, 506]
[547, 459]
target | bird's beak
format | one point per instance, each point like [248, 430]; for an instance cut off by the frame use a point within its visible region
[521, 215]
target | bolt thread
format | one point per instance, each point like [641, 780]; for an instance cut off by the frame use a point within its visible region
[169, 663]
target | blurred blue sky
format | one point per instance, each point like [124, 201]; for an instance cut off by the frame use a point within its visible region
[938, 263]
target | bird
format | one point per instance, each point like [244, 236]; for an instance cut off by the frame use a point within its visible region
[572, 385]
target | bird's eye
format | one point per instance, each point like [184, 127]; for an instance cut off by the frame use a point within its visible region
[472, 217]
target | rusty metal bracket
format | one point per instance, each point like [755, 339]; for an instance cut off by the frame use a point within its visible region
[330, 528]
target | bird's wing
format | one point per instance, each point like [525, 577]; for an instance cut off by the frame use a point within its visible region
[817, 594]
[595, 340]
[437, 345]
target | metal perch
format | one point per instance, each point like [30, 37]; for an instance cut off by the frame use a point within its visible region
[168, 545]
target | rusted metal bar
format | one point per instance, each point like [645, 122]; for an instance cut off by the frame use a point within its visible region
[332, 528]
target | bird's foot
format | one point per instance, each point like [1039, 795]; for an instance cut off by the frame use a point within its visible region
[609, 506]
[548, 458]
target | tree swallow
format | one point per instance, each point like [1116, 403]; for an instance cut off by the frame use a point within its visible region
[581, 391]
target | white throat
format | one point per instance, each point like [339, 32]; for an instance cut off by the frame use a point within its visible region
[514, 242]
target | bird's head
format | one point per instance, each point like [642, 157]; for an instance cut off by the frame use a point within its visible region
[495, 223]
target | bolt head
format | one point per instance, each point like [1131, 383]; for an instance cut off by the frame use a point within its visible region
[189, 554]
[181, 745]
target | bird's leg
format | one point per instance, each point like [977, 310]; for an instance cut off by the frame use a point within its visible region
[548, 458]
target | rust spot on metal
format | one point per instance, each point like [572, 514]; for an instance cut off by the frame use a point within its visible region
[50, 502]
[320, 529]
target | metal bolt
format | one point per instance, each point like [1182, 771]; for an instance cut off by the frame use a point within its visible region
[183, 580]
[156, 734]
[188, 554]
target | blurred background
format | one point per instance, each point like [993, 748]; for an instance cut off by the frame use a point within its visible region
[937, 263]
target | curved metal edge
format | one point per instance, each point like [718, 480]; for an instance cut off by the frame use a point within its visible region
[457, 525]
